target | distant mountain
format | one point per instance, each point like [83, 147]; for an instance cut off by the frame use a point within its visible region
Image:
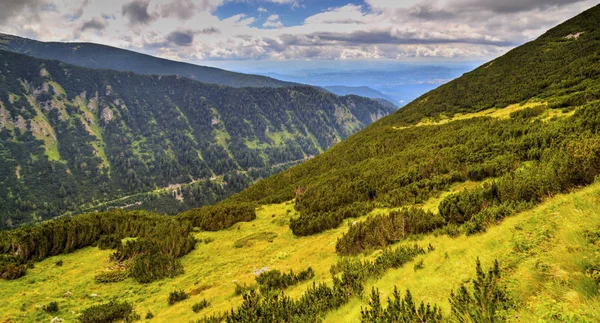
[72, 137]
[107, 57]
[400, 83]
[364, 91]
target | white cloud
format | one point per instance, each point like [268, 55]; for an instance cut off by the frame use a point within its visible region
[273, 22]
[379, 29]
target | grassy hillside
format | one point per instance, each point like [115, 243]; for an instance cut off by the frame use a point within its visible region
[107, 57]
[415, 152]
[543, 254]
[71, 137]
[560, 67]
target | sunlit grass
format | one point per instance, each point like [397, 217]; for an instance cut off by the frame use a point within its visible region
[542, 251]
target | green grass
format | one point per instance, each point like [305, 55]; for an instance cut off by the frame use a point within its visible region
[542, 252]
[503, 113]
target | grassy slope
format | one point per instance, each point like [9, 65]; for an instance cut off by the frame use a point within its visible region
[543, 252]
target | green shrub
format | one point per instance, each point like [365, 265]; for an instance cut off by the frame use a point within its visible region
[111, 241]
[275, 280]
[51, 308]
[419, 265]
[12, 267]
[242, 289]
[399, 309]
[486, 299]
[152, 267]
[111, 276]
[177, 296]
[200, 306]
[108, 313]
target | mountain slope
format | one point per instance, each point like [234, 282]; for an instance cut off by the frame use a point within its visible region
[394, 162]
[107, 57]
[70, 136]
[560, 66]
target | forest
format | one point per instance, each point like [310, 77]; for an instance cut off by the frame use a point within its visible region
[147, 245]
[74, 139]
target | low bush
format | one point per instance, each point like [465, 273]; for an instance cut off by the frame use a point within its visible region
[111, 241]
[177, 296]
[111, 276]
[275, 280]
[12, 267]
[108, 313]
[200, 306]
[51, 308]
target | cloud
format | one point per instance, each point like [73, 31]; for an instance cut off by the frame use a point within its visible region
[209, 31]
[509, 6]
[181, 38]
[273, 22]
[137, 12]
[186, 9]
[349, 14]
[377, 29]
[11, 8]
[94, 24]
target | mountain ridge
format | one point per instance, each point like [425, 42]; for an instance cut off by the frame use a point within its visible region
[94, 55]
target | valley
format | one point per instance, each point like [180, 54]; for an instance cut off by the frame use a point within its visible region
[140, 197]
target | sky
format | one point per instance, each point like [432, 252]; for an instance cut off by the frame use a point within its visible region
[293, 30]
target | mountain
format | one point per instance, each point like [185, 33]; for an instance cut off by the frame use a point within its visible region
[107, 57]
[400, 83]
[364, 91]
[479, 208]
[72, 138]
[416, 151]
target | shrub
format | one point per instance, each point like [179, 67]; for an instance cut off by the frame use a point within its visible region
[111, 241]
[59, 263]
[480, 305]
[12, 267]
[419, 265]
[152, 267]
[149, 315]
[399, 310]
[177, 296]
[242, 289]
[51, 308]
[111, 276]
[274, 279]
[200, 306]
[108, 313]
[381, 231]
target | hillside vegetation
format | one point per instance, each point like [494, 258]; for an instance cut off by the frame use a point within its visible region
[106, 57]
[72, 137]
[490, 215]
[403, 159]
[546, 255]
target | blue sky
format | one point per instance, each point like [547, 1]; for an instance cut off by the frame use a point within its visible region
[290, 13]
